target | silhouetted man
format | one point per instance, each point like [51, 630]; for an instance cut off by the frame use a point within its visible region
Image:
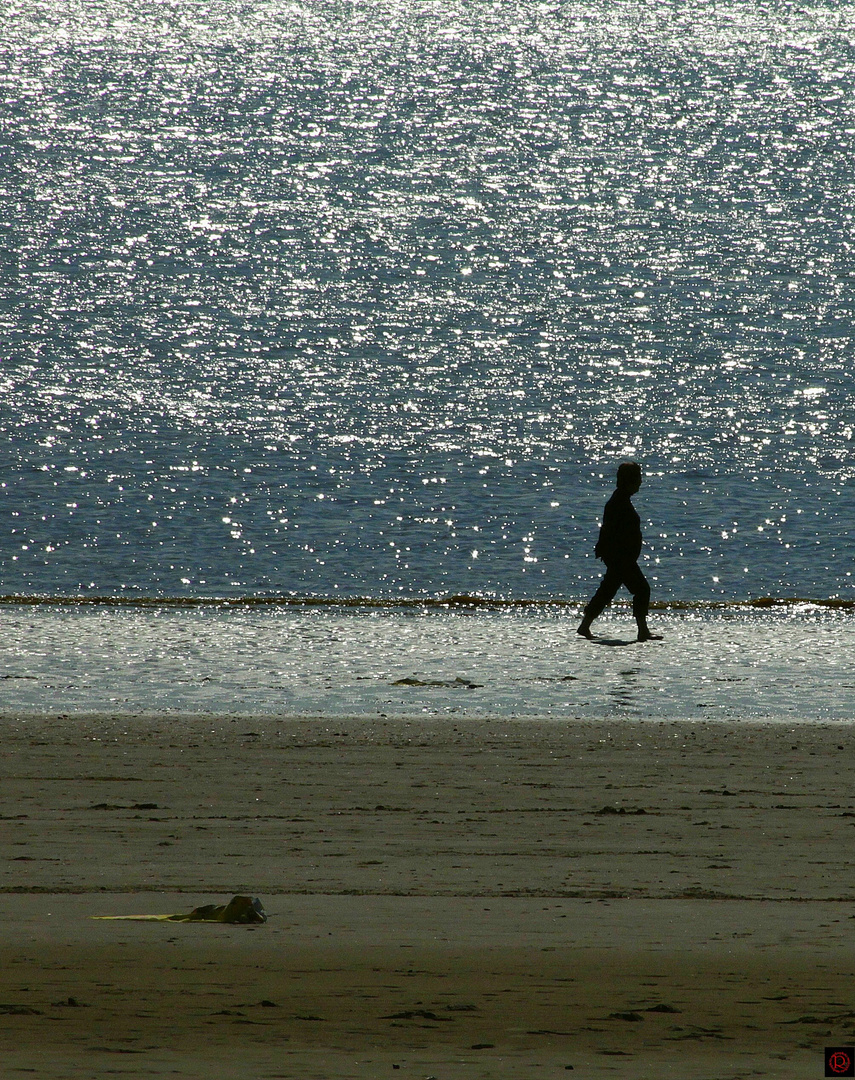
[619, 546]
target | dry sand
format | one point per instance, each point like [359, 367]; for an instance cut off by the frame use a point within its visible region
[450, 899]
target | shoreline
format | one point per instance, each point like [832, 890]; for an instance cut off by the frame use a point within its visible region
[544, 891]
[246, 665]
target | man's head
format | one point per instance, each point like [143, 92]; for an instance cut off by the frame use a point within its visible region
[629, 476]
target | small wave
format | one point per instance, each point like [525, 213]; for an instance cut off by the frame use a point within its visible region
[457, 601]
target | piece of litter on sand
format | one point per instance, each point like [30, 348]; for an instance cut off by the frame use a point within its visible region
[240, 909]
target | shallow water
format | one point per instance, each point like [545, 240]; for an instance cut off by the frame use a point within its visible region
[783, 665]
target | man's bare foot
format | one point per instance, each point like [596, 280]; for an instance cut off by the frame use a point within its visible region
[648, 635]
[585, 631]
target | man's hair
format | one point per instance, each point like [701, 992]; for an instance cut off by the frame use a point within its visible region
[628, 472]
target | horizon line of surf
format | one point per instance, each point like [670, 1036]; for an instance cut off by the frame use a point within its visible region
[451, 601]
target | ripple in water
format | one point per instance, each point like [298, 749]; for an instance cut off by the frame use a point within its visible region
[368, 299]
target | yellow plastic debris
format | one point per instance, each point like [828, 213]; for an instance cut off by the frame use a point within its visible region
[240, 909]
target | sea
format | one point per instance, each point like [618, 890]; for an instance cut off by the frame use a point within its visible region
[324, 326]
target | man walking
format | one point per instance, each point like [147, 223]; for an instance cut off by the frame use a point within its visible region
[619, 546]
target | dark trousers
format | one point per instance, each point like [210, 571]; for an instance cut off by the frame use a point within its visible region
[617, 574]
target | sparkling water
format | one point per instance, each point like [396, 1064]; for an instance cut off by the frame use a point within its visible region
[347, 300]
[729, 666]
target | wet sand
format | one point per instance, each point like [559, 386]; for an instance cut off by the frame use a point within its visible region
[456, 899]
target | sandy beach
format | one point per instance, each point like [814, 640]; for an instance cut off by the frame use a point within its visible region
[446, 898]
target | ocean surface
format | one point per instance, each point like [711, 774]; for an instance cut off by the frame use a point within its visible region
[363, 303]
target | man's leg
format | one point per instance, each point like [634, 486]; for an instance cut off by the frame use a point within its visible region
[638, 585]
[612, 581]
